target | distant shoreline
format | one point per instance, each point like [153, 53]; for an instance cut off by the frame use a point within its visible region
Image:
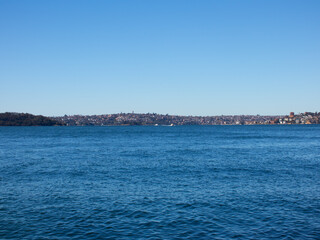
[150, 119]
[153, 119]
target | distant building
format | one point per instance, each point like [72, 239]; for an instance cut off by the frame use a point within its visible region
[291, 115]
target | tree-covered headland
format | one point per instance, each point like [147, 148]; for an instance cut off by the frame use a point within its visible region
[26, 119]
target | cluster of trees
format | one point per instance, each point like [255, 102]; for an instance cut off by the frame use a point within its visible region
[26, 119]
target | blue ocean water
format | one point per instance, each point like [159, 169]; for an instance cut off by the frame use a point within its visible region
[181, 182]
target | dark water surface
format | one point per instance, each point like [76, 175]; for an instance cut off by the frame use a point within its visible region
[190, 182]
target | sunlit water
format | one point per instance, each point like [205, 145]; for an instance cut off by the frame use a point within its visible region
[190, 182]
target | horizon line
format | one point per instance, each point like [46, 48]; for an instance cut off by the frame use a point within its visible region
[141, 113]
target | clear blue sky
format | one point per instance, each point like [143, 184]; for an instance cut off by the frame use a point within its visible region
[170, 56]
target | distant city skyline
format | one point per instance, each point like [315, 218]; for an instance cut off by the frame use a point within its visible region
[200, 58]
